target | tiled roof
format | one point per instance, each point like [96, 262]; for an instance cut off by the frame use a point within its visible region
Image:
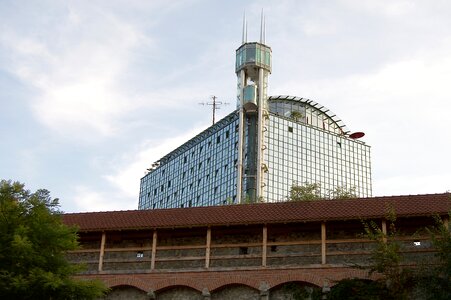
[263, 213]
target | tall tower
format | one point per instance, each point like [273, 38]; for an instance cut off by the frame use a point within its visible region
[253, 66]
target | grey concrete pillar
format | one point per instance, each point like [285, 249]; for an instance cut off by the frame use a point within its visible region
[151, 294]
[264, 291]
[206, 294]
[325, 290]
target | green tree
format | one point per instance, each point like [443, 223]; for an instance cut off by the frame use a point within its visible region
[296, 115]
[386, 258]
[341, 192]
[428, 280]
[305, 192]
[434, 279]
[358, 289]
[312, 191]
[33, 243]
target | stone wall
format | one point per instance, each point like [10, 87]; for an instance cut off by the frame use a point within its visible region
[126, 293]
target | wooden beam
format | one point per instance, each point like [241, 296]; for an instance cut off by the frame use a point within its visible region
[154, 250]
[323, 243]
[264, 245]
[236, 245]
[207, 248]
[384, 230]
[183, 247]
[102, 251]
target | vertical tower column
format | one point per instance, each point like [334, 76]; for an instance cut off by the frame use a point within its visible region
[239, 180]
[253, 66]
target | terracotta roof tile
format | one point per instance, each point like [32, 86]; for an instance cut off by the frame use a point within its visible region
[324, 210]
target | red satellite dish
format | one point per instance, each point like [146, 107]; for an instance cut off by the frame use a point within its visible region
[356, 135]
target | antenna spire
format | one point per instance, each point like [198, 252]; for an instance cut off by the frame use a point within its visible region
[244, 38]
[261, 28]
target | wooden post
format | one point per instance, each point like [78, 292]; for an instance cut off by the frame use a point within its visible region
[207, 248]
[154, 250]
[102, 251]
[264, 245]
[323, 243]
[446, 222]
[384, 230]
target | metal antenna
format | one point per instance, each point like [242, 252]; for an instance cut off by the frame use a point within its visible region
[244, 36]
[264, 29]
[261, 29]
[215, 105]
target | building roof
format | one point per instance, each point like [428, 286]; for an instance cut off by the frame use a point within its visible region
[262, 213]
[318, 107]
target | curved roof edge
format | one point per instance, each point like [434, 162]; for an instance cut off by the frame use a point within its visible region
[316, 106]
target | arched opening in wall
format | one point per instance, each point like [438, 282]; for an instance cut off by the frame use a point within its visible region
[356, 288]
[235, 292]
[179, 292]
[124, 292]
[294, 290]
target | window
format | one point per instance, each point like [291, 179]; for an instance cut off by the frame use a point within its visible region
[227, 134]
[290, 129]
[218, 139]
[139, 254]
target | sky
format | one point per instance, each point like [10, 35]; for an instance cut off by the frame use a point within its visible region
[93, 92]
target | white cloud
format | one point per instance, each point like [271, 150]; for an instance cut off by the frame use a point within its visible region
[75, 69]
[391, 8]
[404, 109]
[86, 199]
[412, 185]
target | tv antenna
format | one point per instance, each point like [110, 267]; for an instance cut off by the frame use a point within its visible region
[215, 105]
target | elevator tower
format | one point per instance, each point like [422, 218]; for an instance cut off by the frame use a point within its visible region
[253, 66]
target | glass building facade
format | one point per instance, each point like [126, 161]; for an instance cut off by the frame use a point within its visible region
[201, 172]
[305, 143]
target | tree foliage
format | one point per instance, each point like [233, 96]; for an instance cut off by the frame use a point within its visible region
[358, 289]
[434, 280]
[341, 193]
[296, 115]
[426, 280]
[312, 191]
[33, 244]
[386, 258]
[306, 192]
